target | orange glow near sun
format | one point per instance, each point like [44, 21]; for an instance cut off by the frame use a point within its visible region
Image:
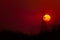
[46, 17]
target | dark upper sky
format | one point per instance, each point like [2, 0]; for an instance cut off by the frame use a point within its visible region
[25, 15]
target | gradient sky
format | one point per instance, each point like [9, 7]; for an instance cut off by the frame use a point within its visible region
[25, 15]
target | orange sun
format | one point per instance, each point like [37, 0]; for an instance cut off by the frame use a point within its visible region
[46, 17]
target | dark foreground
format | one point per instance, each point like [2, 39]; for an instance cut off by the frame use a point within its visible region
[9, 35]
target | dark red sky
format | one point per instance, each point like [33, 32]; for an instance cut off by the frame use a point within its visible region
[25, 15]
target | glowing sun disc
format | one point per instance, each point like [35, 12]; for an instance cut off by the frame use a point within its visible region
[46, 17]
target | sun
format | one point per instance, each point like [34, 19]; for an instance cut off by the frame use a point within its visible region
[46, 17]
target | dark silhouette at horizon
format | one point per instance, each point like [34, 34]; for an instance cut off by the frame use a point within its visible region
[9, 35]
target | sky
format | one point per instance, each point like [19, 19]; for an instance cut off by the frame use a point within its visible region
[26, 15]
